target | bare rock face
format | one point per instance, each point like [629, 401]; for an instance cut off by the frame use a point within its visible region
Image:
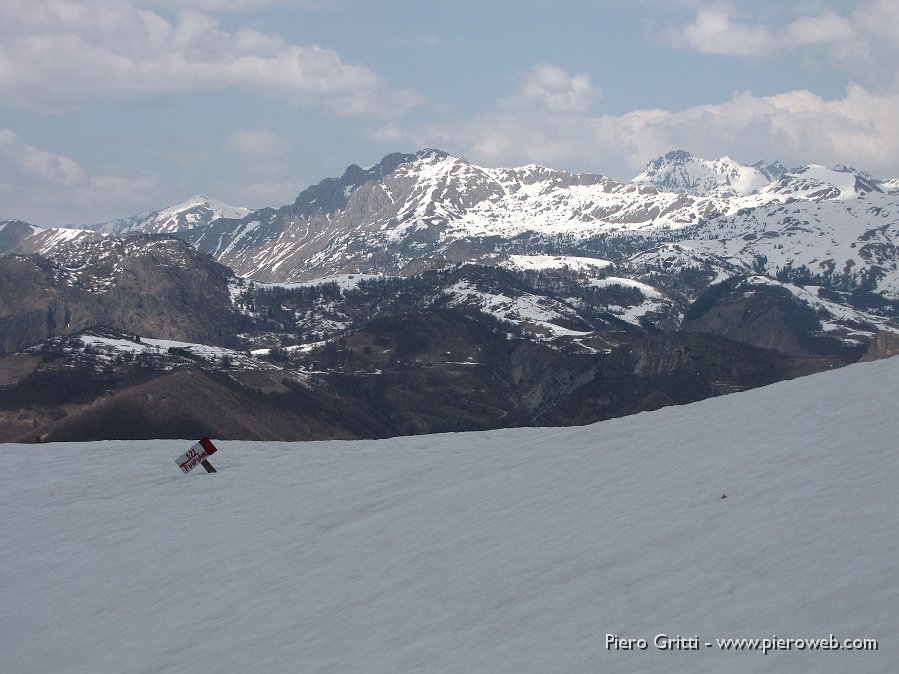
[147, 285]
[761, 315]
[884, 345]
[37, 309]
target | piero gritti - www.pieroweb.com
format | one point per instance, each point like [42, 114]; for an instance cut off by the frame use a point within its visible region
[764, 645]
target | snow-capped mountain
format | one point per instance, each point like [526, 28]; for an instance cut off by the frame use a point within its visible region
[23, 238]
[681, 226]
[429, 209]
[19, 237]
[194, 212]
[679, 171]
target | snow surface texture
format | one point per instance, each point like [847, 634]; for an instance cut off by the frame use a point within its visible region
[502, 551]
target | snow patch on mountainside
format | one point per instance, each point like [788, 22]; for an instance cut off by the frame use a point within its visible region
[194, 212]
[113, 347]
[218, 209]
[653, 302]
[814, 183]
[573, 262]
[24, 238]
[343, 281]
[644, 288]
[532, 312]
[674, 258]
[824, 236]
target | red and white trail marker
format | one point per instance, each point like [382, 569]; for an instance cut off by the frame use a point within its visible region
[197, 455]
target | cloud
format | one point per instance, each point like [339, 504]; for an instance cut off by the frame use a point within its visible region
[797, 127]
[862, 40]
[714, 31]
[57, 56]
[38, 165]
[826, 28]
[551, 88]
[55, 188]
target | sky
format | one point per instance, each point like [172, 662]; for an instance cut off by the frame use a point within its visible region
[109, 108]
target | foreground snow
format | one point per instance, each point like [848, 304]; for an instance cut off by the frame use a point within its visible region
[503, 551]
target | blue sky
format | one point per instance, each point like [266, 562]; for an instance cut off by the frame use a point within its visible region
[112, 107]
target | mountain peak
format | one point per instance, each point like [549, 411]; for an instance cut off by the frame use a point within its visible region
[332, 194]
[848, 168]
[772, 170]
[431, 153]
[676, 156]
[680, 171]
[197, 211]
[199, 201]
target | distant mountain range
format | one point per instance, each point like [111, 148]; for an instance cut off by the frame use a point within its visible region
[195, 212]
[575, 285]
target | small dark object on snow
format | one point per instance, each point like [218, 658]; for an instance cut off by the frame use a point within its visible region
[723, 495]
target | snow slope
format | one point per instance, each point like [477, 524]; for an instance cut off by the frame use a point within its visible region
[194, 212]
[502, 551]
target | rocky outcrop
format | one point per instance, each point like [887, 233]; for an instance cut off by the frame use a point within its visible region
[884, 345]
[766, 316]
[151, 286]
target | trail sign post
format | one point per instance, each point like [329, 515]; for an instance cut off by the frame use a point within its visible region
[197, 455]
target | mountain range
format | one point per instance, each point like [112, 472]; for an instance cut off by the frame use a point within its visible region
[195, 212]
[426, 293]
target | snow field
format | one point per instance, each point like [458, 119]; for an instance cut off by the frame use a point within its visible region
[502, 551]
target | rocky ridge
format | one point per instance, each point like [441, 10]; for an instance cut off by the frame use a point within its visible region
[432, 294]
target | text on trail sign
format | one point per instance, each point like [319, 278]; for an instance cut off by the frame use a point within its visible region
[196, 455]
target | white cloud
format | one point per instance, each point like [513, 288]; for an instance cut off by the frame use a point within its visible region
[826, 28]
[796, 127]
[38, 165]
[54, 189]
[56, 56]
[861, 39]
[551, 88]
[714, 31]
